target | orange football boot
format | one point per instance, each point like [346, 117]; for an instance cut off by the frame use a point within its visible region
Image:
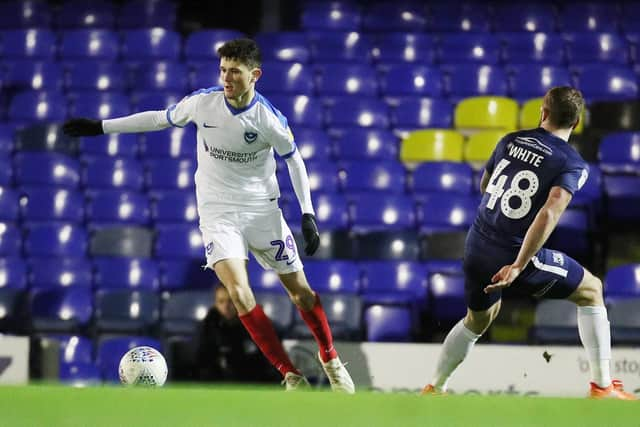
[614, 391]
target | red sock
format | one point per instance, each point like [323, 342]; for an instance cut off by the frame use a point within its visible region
[316, 320]
[261, 330]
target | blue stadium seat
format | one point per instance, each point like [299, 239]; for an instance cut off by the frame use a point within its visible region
[13, 273]
[382, 212]
[466, 80]
[411, 79]
[388, 323]
[119, 145]
[155, 100]
[392, 16]
[181, 274]
[202, 45]
[89, 44]
[9, 204]
[162, 76]
[583, 17]
[25, 14]
[55, 272]
[183, 311]
[279, 308]
[323, 176]
[571, 234]
[61, 309]
[438, 177]
[628, 16]
[367, 144]
[95, 75]
[111, 349]
[413, 113]
[590, 196]
[352, 112]
[622, 198]
[346, 79]
[586, 48]
[168, 174]
[204, 75]
[622, 282]
[344, 313]
[447, 297]
[330, 16]
[462, 17]
[619, 152]
[333, 276]
[111, 173]
[53, 239]
[606, 82]
[122, 241]
[33, 75]
[286, 77]
[445, 211]
[100, 105]
[178, 241]
[108, 207]
[125, 310]
[45, 137]
[10, 239]
[334, 46]
[555, 322]
[469, 48]
[76, 365]
[33, 43]
[80, 374]
[525, 17]
[6, 172]
[6, 139]
[46, 169]
[396, 48]
[174, 142]
[332, 211]
[85, 14]
[394, 282]
[150, 44]
[300, 110]
[32, 106]
[283, 46]
[148, 14]
[174, 206]
[526, 48]
[13, 304]
[379, 176]
[313, 144]
[532, 81]
[624, 316]
[262, 280]
[51, 204]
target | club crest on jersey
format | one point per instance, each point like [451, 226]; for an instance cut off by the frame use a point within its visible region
[250, 137]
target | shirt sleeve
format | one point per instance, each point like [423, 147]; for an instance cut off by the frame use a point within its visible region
[282, 139]
[182, 113]
[573, 177]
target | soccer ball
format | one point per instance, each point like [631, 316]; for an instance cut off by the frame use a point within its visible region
[143, 366]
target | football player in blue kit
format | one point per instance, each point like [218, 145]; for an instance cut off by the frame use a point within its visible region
[528, 182]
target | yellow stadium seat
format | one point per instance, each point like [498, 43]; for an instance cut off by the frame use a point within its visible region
[530, 115]
[432, 145]
[480, 145]
[486, 112]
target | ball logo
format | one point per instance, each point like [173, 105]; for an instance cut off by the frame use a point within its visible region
[250, 137]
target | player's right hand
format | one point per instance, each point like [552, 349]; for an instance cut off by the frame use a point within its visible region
[503, 278]
[82, 127]
[310, 234]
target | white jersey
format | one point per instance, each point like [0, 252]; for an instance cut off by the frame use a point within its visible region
[236, 165]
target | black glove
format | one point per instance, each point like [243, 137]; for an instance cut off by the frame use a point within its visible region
[310, 234]
[82, 127]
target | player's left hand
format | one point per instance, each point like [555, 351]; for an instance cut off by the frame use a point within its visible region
[310, 234]
[503, 278]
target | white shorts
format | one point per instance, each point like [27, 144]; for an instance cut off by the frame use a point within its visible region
[264, 233]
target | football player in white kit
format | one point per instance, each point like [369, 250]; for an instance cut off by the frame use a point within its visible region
[237, 193]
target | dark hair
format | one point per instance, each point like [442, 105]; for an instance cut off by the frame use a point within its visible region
[565, 105]
[244, 50]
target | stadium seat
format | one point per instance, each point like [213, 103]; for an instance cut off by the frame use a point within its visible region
[462, 17]
[262, 280]
[571, 234]
[283, 46]
[126, 273]
[279, 308]
[531, 81]
[442, 250]
[114, 207]
[446, 211]
[555, 322]
[346, 79]
[607, 82]
[448, 305]
[84, 14]
[46, 169]
[587, 48]
[472, 48]
[334, 244]
[178, 241]
[313, 145]
[150, 44]
[622, 199]
[386, 244]
[96, 76]
[174, 206]
[331, 211]
[25, 14]
[411, 80]
[529, 117]
[185, 274]
[45, 137]
[300, 110]
[394, 282]
[330, 277]
[55, 239]
[396, 48]
[148, 14]
[204, 75]
[127, 241]
[9, 204]
[162, 76]
[118, 145]
[170, 174]
[389, 17]
[110, 350]
[112, 173]
[6, 139]
[344, 313]
[528, 48]
[32, 106]
[624, 316]
[333, 16]
[80, 374]
[367, 144]
[183, 311]
[13, 273]
[379, 176]
[34, 43]
[39, 204]
[628, 15]
[10, 239]
[155, 100]
[486, 112]
[351, 112]
[333, 46]
[89, 44]
[323, 176]
[292, 78]
[76, 365]
[173, 142]
[588, 17]
[13, 305]
[388, 323]
[442, 176]
[590, 196]
[413, 113]
[33, 75]
[622, 282]
[125, 311]
[533, 17]
[6, 172]
[100, 105]
[480, 145]
[620, 153]
[202, 45]
[66, 310]
[432, 145]
[55, 272]
[615, 115]
[467, 80]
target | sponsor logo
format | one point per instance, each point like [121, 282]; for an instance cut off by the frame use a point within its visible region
[534, 143]
[292, 261]
[209, 248]
[250, 137]
[232, 156]
[558, 258]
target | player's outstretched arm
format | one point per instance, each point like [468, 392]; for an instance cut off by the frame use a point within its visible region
[300, 181]
[145, 121]
[537, 234]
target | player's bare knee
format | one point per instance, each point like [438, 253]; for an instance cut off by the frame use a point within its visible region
[479, 321]
[303, 297]
[242, 297]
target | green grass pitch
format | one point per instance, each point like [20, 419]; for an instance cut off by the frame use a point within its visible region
[183, 406]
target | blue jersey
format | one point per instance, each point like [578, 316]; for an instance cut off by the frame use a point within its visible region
[523, 168]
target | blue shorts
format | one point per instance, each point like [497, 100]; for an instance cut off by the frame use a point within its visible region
[550, 274]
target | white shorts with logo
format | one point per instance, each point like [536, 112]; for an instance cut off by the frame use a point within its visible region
[262, 231]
